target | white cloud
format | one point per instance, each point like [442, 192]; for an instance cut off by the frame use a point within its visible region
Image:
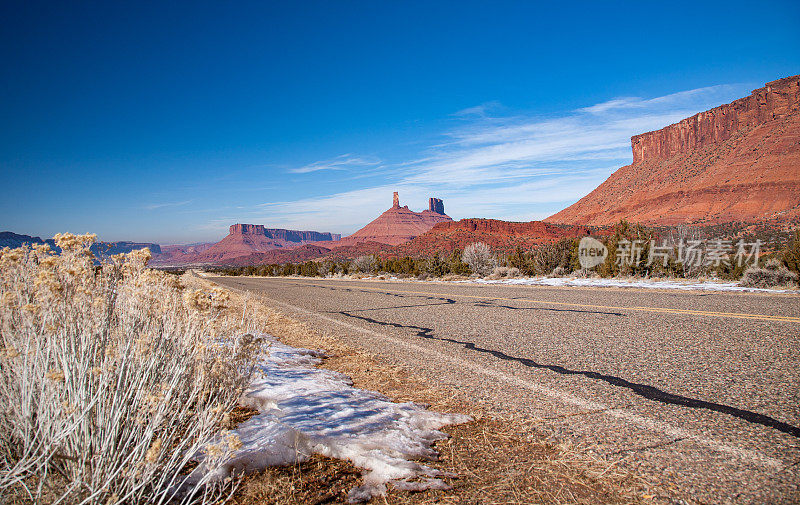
[683, 99]
[342, 162]
[481, 110]
[154, 206]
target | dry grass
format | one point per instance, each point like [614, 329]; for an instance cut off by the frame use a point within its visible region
[316, 481]
[492, 459]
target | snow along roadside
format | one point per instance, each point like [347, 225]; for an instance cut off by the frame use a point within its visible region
[305, 410]
[680, 284]
[621, 283]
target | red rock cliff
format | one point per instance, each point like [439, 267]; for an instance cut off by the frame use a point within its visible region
[436, 205]
[776, 100]
[300, 236]
[736, 162]
[241, 229]
[282, 234]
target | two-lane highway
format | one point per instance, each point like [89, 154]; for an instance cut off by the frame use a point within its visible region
[699, 390]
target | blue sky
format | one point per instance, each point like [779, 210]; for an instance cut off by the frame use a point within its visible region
[169, 121]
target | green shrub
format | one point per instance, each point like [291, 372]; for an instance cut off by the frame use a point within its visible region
[625, 231]
[791, 254]
[436, 267]
[559, 255]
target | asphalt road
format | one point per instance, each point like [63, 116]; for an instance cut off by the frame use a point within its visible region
[699, 391]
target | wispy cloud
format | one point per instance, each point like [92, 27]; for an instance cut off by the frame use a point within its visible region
[517, 166]
[154, 206]
[342, 162]
[494, 150]
[482, 110]
[679, 99]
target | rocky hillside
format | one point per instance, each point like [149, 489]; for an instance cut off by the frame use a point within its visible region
[736, 162]
[398, 224]
[499, 235]
[294, 255]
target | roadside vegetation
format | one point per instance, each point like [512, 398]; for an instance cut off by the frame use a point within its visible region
[115, 383]
[777, 266]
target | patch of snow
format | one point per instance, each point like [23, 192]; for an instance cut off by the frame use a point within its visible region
[632, 283]
[305, 410]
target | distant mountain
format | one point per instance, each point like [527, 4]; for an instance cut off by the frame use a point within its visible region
[196, 247]
[398, 224]
[736, 162]
[102, 249]
[14, 240]
[242, 241]
[170, 252]
[396, 232]
[99, 249]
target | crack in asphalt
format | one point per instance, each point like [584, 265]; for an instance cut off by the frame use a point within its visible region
[490, 303]
[644, 390]
[479, 303]
[449, 301]
[651, 446]
[403, 306]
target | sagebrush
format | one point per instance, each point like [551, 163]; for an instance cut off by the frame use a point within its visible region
[480, 259]
[115, 382]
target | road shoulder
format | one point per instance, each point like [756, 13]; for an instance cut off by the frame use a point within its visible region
[494, 459]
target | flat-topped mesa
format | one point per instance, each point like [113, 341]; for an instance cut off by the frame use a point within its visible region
[242, 229]
[300, 236]
[776, 99]
[249, 239]
[436, 205]
[282, 234]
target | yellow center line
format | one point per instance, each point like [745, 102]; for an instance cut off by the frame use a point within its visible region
[662, 310]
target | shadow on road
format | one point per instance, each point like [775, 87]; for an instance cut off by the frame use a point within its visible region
[644, 390]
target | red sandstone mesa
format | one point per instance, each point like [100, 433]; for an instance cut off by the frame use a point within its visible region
[246, 240]
[253, 243]
[735, 162]
[397, 225]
